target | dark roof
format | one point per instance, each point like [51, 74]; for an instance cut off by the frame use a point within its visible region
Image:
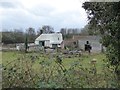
[77, 37]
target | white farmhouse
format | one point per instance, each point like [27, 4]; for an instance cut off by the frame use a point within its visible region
[51, 40]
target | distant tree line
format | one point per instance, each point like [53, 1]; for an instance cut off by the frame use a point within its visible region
[45, 29]
[69, 32]
[10, 37]
[19, 36]
[87, 30]
[65, 31]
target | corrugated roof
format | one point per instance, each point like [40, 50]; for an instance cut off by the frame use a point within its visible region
[77, 37]
[54, 38]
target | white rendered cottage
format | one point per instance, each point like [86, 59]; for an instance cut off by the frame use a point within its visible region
[51, 40]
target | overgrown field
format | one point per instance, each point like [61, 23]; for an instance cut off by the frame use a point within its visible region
[39, 70]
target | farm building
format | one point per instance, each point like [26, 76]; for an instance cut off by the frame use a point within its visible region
[79, 42]
[51, 40]
[94, 41]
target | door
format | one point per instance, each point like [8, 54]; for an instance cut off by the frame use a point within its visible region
[42, 43]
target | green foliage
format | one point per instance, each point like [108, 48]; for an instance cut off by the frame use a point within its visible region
[106, 40]
[89, 30]
[47, 73]
[106, 18]
[112, 55]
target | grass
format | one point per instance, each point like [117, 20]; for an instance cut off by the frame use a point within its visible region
[9, 56]
[33, 61]
[84, 60]
[0, 57]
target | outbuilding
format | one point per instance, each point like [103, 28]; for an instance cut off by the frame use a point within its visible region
[50, 40]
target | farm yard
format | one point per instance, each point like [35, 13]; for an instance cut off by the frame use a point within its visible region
[65, 44]
[56, 70]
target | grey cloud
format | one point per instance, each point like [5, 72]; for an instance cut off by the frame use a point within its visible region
[20, 20]
[7, 5]
[17, 19]
[39, 15]
[10, 4]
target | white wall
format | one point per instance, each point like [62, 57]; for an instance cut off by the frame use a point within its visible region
[47, 43]
[96, 46]
[36, 42]
[54, 38]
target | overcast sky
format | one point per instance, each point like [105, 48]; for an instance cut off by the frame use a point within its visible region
[35, 13]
